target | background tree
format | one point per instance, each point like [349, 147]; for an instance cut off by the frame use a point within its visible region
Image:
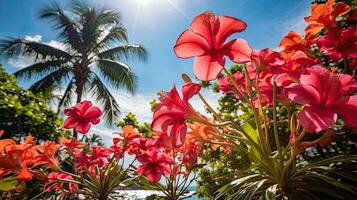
[89, 58]
[23, 113]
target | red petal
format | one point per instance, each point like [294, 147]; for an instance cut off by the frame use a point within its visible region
[203, 25]
[70, 122]
[207, 67]
[154, 176]
[227, 27]
[83, 127]
[314, 119]
[238, 51]
[83, 106]
[190, 44]
[190, 89]
[302, 94]
[347, 108]
[24, 174]
[93, 112]
[340, 9]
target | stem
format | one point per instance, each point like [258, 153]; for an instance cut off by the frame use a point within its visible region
[220, 119]
[276, 135]
[263, 113]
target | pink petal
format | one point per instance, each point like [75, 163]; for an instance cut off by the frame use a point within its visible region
[83, 106]
[203, 25]
[70, 122]
[93, 112]
[302, 94]
[348, 83]
[315, 119]
[238, 51]
[347, 108]
[190, 44]
[227, 27]
[207, 67]
[190, 89]
[83, 127]
[154, 176]
[143, 170]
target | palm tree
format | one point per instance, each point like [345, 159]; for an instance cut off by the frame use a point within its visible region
[87, 60]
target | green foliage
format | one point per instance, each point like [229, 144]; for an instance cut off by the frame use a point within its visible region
[23, 113]
[130, 119]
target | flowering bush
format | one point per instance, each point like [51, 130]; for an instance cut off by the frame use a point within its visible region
[312, 77]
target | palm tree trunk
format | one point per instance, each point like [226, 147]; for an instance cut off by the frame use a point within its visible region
[79, 92]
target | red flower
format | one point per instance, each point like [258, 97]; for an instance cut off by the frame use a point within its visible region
[226, 86]
[205, 41]
[154, 164]
[72, 145]
[172, 111]
[293, 68]
[324, 95]
[266, 59]
[81, 116]
[339, 43]
[60, 177]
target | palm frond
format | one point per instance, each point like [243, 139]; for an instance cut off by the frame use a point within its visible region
[39, 69]
[50, 81]
[104, 97]
[115, 33]
[66, 25]
[125, 52]
[117, 74]
[12, 47]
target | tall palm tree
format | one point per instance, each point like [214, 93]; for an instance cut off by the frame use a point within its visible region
[94, 44]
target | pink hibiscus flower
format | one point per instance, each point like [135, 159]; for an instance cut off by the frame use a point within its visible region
[154, 164]
[172, 111]
[324, 95]
[266, 59]
[205, 41]
[81, 116]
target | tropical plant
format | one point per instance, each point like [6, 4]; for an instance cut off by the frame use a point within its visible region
[89, 55]
[23, 113]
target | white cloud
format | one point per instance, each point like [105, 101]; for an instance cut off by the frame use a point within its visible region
[35, 38]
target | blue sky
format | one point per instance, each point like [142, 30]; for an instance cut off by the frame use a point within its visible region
[156, 24]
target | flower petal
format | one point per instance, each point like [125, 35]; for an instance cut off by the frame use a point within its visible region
[238, 51]
[207, 67]
[83, 127]
[190, 44]
[70, 122]
[316, 120]
[347, 108]
[190, 89]
[227, 27]
[302, 94]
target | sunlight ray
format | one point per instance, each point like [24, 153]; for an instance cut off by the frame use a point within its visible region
[178, 9]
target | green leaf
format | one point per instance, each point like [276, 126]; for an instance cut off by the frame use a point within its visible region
[8, 183]
[254, 135]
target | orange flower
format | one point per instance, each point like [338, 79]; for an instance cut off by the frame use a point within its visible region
[324, 15]
[16, 158]
[293, 42]
[202, 134]
[71, 145]
[48, 155]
